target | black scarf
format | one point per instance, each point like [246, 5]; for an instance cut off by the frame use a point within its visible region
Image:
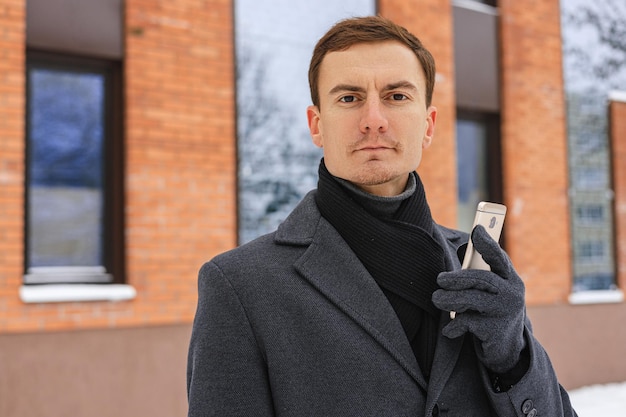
[399, 251]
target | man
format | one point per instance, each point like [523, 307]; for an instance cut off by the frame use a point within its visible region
[345, 309]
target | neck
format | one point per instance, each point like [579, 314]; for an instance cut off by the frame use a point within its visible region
[386, 206]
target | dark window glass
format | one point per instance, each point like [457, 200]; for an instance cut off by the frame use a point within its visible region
[65, 177]
[478, 163]
[70, 201]
[471, 169]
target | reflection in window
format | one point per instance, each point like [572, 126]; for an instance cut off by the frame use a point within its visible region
[479, 168]
[471, 169]
[591, 251]
[590, 213]
[590, 178]
[277, 161]
[594, 64]
[65, 168]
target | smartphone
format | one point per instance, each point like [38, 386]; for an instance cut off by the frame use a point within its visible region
[491, 217]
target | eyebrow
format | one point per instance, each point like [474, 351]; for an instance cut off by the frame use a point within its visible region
[356, 89]
[345, 87]
[401, 84]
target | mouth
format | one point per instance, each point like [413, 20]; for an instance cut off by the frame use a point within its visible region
[374, 145]
[374, 148]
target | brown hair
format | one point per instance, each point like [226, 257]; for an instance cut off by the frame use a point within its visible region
[349, 32]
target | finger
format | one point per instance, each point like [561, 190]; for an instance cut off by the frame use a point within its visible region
[447, 301]
[468, 301]
[491, 251]
[468, 279]
[456, 328]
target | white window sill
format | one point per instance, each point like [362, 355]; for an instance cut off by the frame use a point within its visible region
[597, 297]
[617, 95]
[59, 293]
[67, 275]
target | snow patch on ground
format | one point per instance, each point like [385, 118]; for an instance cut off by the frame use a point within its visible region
[608, 400]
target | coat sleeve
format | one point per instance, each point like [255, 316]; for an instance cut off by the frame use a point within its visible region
[226, 372]
[537, 393]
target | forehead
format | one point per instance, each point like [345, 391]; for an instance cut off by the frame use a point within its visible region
[388, 59]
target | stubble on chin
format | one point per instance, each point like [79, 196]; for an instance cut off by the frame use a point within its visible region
[374, 172]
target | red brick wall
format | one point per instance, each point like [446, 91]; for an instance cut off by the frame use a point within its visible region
[534, 147]
[617, 119]
[180, 163]
[180, 153]
[438, 167]
[12, 102]
[533, 134]
[181, 174]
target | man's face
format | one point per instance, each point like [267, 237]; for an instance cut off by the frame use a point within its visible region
[372, 122]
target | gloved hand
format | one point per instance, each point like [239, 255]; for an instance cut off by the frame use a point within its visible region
[489, 304]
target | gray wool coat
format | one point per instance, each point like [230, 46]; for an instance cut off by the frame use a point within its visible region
[292, 324]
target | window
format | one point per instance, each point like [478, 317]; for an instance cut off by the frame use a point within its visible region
[277, 162]
[590, 178]
[590, 213]
[479, 174]
[478, 164]
[474, 3]
[592, 251]
[593, 65]
[74, 170]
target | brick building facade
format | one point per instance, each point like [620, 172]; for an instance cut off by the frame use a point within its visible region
[128, 357]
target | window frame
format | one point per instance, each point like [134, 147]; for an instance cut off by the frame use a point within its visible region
[113, 241]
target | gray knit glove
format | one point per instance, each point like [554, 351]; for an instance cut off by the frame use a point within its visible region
[489, 304]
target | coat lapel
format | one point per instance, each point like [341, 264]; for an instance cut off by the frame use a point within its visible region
[331, 267]
[334, 270]
[448, 350]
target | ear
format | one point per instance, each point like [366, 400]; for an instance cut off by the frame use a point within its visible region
[429, 133]
[313, 116]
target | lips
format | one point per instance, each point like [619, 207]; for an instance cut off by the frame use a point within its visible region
[373, 148]
[373, 144]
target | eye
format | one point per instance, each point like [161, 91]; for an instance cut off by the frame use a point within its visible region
[348, 99]
[398, 97]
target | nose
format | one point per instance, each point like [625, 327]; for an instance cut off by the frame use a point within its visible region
[373, 117]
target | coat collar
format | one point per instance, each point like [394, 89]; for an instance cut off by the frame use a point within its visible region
[333, 269]
[301, 225]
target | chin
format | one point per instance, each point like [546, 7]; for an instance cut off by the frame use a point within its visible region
[370, 178]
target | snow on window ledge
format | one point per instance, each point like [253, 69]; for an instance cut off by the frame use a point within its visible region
[58, 293]
[596, 297]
